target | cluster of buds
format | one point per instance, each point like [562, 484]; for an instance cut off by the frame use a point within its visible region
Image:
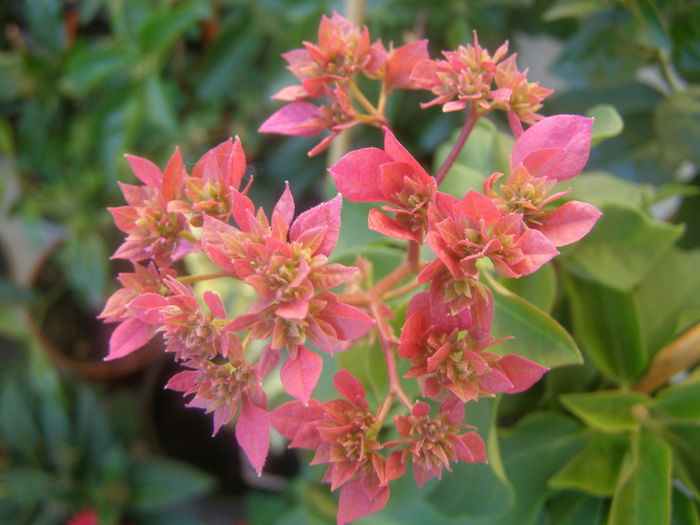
[286, 258]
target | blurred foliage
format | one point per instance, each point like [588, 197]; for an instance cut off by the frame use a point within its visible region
[64, 451]
[81, 83]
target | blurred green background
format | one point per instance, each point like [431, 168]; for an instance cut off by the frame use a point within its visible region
[83, 82]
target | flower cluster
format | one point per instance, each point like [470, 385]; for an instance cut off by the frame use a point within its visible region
[286, 259]
[327, 70]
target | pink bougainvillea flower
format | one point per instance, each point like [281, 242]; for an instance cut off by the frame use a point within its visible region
[132, 333]
[153, 232]
[434, 443]
[398, 63]
[88, 516]
[342, 432]
[189, 333]
[286, 262]
[520, 98]
[466, 75]
[209, 190]
[553, 149]
[342, 49]
[473, 228]
[218, 389]
[305, 119]
[391, 175]
[447, 355]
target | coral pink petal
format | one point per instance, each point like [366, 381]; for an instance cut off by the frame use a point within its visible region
[354, 502]
[300, 375]
[537, 249]
[397, 152]
[401, 63]
[285, 206]
[380, 223]
[348, 386]
[356, 175]
[477, 206]
[215, 304]
[543, 161]
[173, 177]
[128, 336]
[298, 118]
[572, 133]
[570, 223]
[145, 170]
[522, 372]
[476, 446]
[325, 214]
[253, 433]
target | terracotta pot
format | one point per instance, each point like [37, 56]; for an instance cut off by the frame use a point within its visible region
[72, 335]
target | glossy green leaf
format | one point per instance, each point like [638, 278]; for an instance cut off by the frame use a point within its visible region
[622, 247]
[608, 411]
[158, 483]
[677, 124]
[643, 493]
[607, 124]
[684, 437]
[159, 105]
[476, 489]
[536, 335]
[684, 510]
[89, 67]
[539, 288]
[19, 431]
[572, 9]
[671, 290]
[682, 401]
[574, 508]
[600, 188]
[533, 451]
[606, 325]
[161, 31]
[595, 469]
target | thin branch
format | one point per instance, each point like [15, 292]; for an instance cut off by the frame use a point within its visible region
[461, 140]
[202, 277]
[388, 342]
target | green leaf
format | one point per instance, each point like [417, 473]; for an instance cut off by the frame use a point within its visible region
[677, 124]
[595, 469]
[682, 401]
[539, 288]
[606, 324]
[572, 9]
[476, 489]
[607, 124]
[600, 189]
[19, 431]
[536, 335]
[161, 30]
[643, 493]
[671, 289]
[158, 483]
[622, 247]
[684, 437]
[608, 411]
[159, 104]
[573, 508]
[533, 451]
[684, 510]
[366, 362]
[87, 68]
